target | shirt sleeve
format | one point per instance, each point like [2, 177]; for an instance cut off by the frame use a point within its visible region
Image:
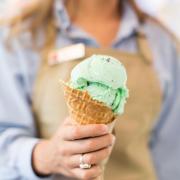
[17, 128]
[167, 65]
[164, 144]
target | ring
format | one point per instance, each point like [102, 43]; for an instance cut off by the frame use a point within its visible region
[83, 165]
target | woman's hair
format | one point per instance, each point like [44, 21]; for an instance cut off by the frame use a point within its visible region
[43, 11]
[40, 14]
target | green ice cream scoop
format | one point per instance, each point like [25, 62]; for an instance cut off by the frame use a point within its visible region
[104, 77]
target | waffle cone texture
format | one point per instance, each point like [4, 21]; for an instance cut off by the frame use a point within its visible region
[85, 110]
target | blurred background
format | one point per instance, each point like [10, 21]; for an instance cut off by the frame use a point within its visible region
[167, 11]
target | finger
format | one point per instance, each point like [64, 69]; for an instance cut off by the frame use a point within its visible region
[63, 170]
[88, 145]
[92, 158]
[91, 173]
[73, 132]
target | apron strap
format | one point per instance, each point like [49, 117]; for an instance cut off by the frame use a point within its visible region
[144, 47]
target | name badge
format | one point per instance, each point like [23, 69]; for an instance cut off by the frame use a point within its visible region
[65, 54]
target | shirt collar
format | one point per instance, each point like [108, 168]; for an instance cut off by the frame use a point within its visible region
[129, 23]
[61, 16]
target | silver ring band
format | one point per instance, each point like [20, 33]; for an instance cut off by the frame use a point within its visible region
[83, 165]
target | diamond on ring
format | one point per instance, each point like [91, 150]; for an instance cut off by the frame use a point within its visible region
[83, 165]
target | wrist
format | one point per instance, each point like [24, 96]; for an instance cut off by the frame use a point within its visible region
[40, 159]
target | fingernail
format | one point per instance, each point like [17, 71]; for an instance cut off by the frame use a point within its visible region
[114, 139]
[105, 129]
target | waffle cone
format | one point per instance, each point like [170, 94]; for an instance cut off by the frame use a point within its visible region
[85, 110]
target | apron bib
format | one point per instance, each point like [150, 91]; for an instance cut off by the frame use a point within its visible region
[130, 159]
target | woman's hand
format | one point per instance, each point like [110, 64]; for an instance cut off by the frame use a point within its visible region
[61, 154]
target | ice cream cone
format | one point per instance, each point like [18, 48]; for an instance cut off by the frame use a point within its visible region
[85, 110]
[96, 92]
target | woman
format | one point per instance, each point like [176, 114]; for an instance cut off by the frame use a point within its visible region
[142, 149]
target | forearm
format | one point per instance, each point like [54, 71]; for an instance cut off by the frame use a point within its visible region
[40, 162]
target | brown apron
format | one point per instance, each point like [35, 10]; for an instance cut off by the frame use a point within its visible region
[130, 159]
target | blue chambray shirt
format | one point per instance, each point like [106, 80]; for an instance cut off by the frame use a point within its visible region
[18, 69]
